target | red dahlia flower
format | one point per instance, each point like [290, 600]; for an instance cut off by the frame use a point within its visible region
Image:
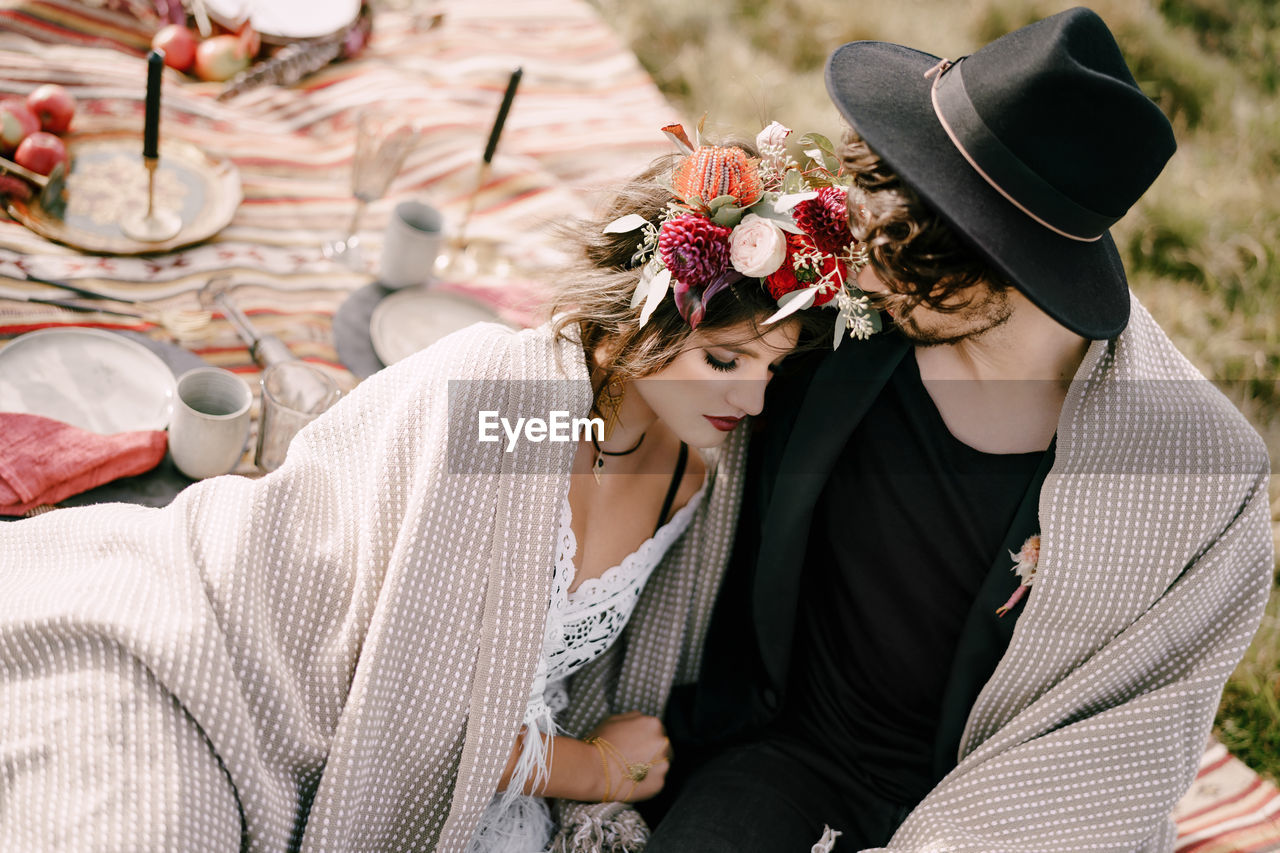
[826, 219]
[696, 250]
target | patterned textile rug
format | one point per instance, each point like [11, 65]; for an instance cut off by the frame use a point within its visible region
[1229, 809]
[586, 117]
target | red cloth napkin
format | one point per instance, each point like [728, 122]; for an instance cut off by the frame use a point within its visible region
[43, 461]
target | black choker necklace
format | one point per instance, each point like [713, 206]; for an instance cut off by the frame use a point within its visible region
[598, 465]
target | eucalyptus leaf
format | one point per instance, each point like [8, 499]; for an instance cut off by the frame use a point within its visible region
[789, 200]
[657, 290]
[876, 323]
[721, 200]
[790, 303]
[792, 182]
[642, 286]
[842, 326]
[780, 218]
[819, 141]
[623, 224]
[728, 216]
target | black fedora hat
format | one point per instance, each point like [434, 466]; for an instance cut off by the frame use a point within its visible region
[1031, 148]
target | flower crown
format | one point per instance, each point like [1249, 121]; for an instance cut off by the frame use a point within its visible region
[737, 217]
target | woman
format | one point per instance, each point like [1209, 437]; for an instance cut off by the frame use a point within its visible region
[356, 651]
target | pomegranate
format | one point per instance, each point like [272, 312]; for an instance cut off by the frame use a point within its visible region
[178, 44]
[40, 152]
[53, 106]
[221, 58]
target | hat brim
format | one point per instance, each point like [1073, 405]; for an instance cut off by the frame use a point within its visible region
[881, 90]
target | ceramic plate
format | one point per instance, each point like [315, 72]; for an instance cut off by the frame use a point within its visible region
[413, 318]
[288, 19]
[88, 378]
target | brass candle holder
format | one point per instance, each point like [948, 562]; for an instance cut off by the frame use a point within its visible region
[156, 224]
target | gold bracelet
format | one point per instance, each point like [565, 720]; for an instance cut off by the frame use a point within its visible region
[599, 743]
[633, 771]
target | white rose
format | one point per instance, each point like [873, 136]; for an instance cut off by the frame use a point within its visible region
[757, 247]
[773, 135]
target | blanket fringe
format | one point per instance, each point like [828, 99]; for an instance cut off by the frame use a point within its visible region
[602, 828]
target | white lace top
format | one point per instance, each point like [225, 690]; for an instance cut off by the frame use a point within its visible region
[581, 625]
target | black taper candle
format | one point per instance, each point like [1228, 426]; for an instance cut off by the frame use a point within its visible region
[151, 131]
[507, 98]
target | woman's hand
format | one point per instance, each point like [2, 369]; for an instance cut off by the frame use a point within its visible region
[595, 769]
[634, 752]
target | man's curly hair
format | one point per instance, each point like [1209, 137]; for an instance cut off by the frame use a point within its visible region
[912, 249]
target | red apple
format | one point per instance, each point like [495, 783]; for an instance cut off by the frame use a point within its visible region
[178, 44]
[16, 123]
[53, 105]
[40, 152]
[220, 58]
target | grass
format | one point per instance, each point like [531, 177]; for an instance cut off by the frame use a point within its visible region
[1202, 247]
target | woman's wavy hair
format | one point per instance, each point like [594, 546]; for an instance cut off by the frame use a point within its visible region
[913, 250]
[592, 302]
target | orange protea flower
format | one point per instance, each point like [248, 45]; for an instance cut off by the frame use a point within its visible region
[713, 171]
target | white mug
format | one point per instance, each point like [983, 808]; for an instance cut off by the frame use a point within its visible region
[410, 245]
[210, 422]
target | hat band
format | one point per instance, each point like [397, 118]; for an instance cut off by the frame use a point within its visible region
[1001, 168]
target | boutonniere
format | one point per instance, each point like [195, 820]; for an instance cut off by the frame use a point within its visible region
[1024, 566]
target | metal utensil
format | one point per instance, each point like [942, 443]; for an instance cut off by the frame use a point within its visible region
[51, 196]
[181, 323]
[307, 387]
[266, 349]
[74, 306]
[80, 289]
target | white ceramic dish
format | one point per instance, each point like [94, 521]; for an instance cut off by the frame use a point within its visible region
[288, 19]
[88, 378]
[415, 317]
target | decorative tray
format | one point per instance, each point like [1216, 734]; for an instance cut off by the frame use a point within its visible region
[108, 181]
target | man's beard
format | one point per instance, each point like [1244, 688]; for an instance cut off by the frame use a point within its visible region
[968, 323]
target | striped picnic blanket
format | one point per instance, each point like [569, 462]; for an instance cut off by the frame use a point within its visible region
[1229, 809]
[586, 117]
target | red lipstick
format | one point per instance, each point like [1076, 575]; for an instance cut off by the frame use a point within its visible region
[723, 424]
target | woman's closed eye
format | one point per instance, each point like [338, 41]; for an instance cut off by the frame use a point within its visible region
[718, 364]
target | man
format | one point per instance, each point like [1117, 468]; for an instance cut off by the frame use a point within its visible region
[876, 675]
